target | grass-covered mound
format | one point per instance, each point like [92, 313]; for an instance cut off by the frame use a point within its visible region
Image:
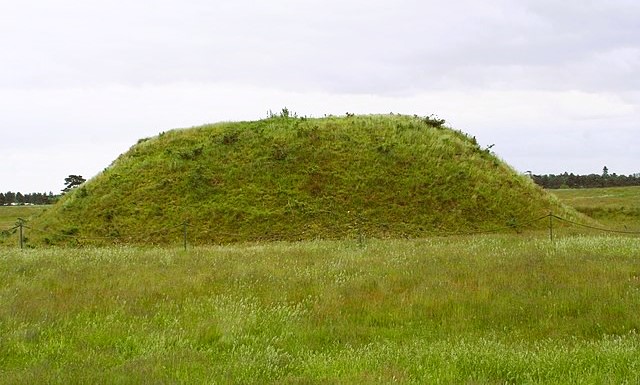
[288, 178]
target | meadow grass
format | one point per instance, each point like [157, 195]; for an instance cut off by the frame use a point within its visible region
[612, 206]
[484, 309]
[9, 214]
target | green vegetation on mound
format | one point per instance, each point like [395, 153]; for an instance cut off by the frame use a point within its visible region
[286, 178]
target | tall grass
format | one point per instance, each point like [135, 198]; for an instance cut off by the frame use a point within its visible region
[490, 309]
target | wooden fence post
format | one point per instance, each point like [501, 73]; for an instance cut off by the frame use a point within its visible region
[184, 230]
[20, 226]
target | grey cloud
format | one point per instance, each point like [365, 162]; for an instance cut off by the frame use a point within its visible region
[356, 46]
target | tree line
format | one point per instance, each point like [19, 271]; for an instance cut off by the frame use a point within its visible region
[605, 179]
[16, 198]
[10, 198]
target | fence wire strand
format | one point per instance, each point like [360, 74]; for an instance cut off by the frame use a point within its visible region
[515, 226]
[98, 238]
[9, 229]
[206, 232]
[594, 227]
[69, 236]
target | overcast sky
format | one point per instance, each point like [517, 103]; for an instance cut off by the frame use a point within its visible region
[555, 85]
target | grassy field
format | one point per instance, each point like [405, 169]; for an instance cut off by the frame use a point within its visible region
[484, 309]
[616, 206]
[492, 309]
[9, 214]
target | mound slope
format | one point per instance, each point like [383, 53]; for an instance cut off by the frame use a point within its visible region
[286, 178]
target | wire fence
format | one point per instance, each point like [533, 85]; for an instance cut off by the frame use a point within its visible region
[595, 227]
[185, 231]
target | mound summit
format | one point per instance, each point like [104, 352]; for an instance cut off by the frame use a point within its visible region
[290, 178]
